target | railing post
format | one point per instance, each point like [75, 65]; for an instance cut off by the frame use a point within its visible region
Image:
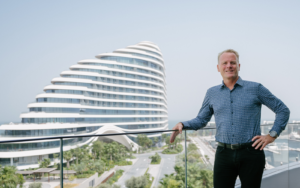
[185, 148]
[61, 164]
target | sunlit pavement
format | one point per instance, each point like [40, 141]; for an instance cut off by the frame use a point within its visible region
[137, 169]
[44, 185]
[143, 162]
[205, 150]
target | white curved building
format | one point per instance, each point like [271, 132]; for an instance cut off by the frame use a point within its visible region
[118, 92]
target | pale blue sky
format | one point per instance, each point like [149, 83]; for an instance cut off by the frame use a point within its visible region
[40, 39]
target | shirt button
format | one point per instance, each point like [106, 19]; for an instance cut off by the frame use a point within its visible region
[231, 112]
[231, 101]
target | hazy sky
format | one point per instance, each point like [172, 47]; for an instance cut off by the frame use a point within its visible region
[40, 39]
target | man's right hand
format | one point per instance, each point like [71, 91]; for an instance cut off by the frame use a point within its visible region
[178, 127]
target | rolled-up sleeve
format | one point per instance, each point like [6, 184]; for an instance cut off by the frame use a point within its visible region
[203, 116]
[277, 106]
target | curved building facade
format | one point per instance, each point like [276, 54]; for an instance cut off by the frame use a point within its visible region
[122, 91]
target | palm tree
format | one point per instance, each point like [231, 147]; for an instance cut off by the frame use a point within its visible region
[9, 178]
[167, 140]
[149, 143]
[131, 149]
[83, 153]
[79, 168]
[122, 150]
[77, 152]
[68, 156]
[45, 163]
[99, 166]
[97, 148]
[110, 150]
[155, 140]
[164, 136]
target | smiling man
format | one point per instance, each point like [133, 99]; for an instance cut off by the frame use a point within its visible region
[236, 105]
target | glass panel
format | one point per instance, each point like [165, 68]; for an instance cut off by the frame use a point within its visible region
[171, 171]
[201, 146]
[113, 160]
[125, 159]
[276, 153]
[294, 153]
[279, 155]
[277, 159]
[294, 142]
[79, 165]
[148, 159]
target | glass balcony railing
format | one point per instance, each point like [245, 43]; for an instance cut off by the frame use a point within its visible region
[142, 159]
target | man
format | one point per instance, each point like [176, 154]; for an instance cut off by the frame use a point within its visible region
[236, 105]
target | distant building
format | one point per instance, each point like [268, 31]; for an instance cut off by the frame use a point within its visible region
[118, 92]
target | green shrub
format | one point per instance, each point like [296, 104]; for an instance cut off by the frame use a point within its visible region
[179, 148]
[89, 172]
[72, 177]
[35, 185]
[192, 147]
[174, 150]
[206, 156]
[137, 182]
[146, 171]
[84, 176]
[115, 177]
[155, 159]
[80, 168]
[29, 176]
[124, 163]
[105, 185]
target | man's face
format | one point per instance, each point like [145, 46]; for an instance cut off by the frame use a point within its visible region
[228, 66]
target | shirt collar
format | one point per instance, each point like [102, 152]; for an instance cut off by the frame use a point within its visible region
[238, 82]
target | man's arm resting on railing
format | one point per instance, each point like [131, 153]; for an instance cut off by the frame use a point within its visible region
[179, 126]
[200, 121]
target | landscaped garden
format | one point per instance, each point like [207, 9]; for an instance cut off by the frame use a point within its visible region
[85, 160]
[143, 181]
[101, 156]
[198, 174]
[173, 148]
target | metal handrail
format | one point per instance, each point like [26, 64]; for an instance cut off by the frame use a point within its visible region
[76, 136]
[112, 134]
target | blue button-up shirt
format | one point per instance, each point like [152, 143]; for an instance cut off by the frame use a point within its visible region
[238, 111]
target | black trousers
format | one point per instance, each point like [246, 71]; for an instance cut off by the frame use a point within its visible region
[247, 163]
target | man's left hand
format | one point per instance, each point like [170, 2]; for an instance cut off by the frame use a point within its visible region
[262, 141]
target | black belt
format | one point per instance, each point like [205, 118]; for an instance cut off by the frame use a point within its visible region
[235, 146]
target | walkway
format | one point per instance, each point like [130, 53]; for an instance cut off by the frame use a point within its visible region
[204, 149]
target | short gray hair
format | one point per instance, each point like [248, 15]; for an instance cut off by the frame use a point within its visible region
[230, 51]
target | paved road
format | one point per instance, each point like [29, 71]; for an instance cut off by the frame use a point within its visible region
[140, 166]
[207, 151]
[137, 169]
[166, 167]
